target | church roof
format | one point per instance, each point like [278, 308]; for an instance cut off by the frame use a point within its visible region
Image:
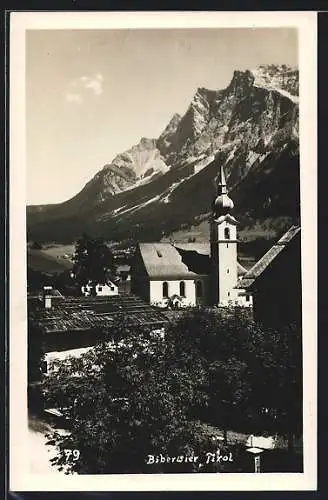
[163, 260]
[256, 271]
[182, 260]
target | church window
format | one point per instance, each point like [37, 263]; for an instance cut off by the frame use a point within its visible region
[228, 271]
[165, 289]
[227, 245]
[228, 294]
[182, 289]
[199, 289]
[227, 233]
[247, 298]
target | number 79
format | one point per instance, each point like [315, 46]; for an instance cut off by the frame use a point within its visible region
[69, 453]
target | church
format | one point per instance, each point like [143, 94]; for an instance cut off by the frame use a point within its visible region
[191, 274]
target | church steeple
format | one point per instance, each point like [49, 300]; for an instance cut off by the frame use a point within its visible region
[223, 241]
[222, 182]
[222, 204]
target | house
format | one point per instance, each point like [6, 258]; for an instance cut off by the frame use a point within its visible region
[275, 282]
[198, 273]
[124, 271]
[107, 289]
[74, 325]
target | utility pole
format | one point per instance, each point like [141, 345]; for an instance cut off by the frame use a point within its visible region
[256, 452]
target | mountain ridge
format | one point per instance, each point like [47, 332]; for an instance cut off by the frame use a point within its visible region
[249, 126]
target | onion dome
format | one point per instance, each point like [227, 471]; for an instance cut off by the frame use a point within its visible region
[222, 204]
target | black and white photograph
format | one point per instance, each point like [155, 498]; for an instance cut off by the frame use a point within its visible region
[163, 289]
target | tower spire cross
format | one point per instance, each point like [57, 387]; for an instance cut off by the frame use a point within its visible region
[222, 203]
[222, 182]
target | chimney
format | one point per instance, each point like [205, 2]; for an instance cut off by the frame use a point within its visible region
[47, 296]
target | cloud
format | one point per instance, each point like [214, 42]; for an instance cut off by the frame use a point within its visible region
[92, 83]
[73, 97]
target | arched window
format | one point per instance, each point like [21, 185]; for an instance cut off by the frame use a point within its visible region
[199, 289]
[227, 233]
[182, 289]
[165, 289]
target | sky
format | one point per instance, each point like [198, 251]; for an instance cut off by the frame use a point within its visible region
[92, 94]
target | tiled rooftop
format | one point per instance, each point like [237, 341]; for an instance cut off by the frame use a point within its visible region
[85, 313]
[251, 276]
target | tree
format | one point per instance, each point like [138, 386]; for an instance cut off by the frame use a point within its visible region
[254, 374]
[93, 260]
[218, 339]
[279, 382]
[229, 391]
[136, 394]
[125, 399]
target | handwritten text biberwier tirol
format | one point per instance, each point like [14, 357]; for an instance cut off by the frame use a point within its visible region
[209, 457]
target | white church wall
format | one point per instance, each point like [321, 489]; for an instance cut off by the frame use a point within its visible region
[190, 299]
[156, 291]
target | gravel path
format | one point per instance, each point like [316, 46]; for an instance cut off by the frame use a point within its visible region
[40, 454]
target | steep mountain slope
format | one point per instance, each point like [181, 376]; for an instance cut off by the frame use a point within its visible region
[159, 185]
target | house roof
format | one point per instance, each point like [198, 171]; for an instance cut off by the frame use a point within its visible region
[182, 260]
[256, 271]
[81, 313]
[52, 292]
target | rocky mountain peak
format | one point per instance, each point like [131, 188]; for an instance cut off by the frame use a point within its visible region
[277, 77]
[173, 123]
[144, 142]
[241, 83]
[164, 142]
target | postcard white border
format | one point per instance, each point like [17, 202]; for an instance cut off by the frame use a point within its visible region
[20, 478]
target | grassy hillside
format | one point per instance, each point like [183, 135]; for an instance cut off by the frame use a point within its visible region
[38, 260]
